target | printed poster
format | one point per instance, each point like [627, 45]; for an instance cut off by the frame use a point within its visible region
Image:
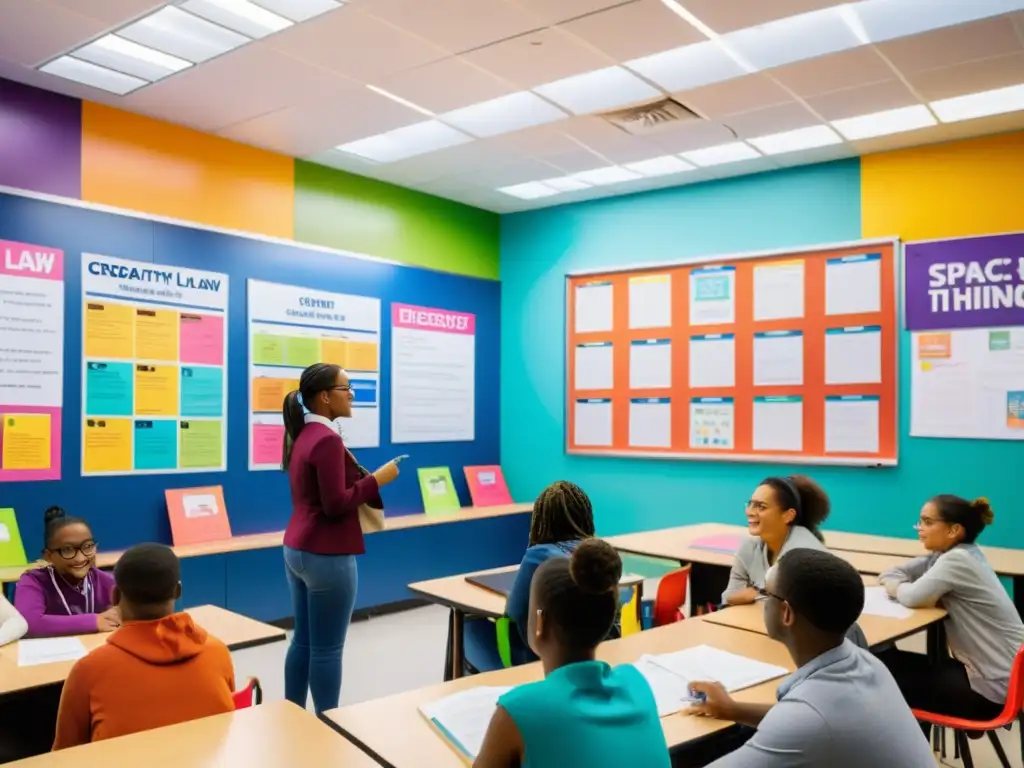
[154, 380]
[290, 328]
[31, 361]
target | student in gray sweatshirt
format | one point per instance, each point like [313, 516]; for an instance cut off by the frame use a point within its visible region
[983, 627]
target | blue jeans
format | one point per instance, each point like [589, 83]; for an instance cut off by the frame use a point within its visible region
[323, 591]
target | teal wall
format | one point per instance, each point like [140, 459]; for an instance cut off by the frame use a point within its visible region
[796, 207]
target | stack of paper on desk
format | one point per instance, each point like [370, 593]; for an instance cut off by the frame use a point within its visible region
[462, 718]
[878, 603]
[671, 674]
[49, 650]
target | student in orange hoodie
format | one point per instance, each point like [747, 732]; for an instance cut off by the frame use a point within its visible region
[158, 669]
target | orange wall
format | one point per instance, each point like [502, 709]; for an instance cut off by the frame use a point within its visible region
[147, 165]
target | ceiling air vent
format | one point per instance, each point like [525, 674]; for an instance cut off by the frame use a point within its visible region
[651, 118]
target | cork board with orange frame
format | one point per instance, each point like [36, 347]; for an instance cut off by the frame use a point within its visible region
[785, 356]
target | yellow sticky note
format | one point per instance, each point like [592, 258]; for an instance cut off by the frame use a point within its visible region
[156, 390]
[925, 365]
[156, 334]
[108, 330]
[335, 351]
[107, 445]
[26, 441]
[362, 356]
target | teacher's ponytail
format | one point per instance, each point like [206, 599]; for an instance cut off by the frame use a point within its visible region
[294, 421]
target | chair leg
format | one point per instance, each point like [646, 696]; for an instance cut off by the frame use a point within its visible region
[998, 747]
[965, 749]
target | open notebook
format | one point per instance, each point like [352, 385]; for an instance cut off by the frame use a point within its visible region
[670, 674]
[463, 717]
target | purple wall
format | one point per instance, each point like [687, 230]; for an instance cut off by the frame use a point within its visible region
[40, 140]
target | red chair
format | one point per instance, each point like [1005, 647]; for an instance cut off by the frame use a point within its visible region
[671, 597]
[1011, 714]
[249, 696]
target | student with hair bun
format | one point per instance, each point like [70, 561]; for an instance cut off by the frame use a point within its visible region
[584, 712]
[983, 627]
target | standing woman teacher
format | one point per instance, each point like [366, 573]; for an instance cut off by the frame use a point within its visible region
[324, 534]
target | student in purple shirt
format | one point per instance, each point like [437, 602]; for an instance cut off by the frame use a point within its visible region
[70, 596]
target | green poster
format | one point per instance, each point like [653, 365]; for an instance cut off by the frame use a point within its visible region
[267, 349]
[12, 551]
[200, 445]
[438, 490]
[998, 341]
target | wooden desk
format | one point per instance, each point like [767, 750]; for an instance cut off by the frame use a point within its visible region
[466, 599]
[236, 632]
[10, 574]
[392, 730]
[267, 736]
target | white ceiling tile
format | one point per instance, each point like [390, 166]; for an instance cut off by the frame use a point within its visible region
[301, 10]
[980, 75]
[540, 141]
[599, 90]
[600, 136]
[633, 30]
[835, 72]
[953, 45]
[741, 94]
[445, 85]
[455, 25]
[408, 141]
[550, 12]
[798, 38]
[519, 172]
[690, 66]
[251, 81]
[33, 33]
[576, 161]
[351, 43]
[785, 117]
[109, 11]
[729, 15]
[876, 97]
[504, 114]
[539, 57]
[695, 135]
[818, 155]
[451, 161]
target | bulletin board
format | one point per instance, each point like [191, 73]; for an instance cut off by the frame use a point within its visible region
[124, 500]
[782, 356]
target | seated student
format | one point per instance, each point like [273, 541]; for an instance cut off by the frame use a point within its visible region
[12, 624]
[983, 627]
[841, 708]
[70, 596]
[584, 712]
[158, 669]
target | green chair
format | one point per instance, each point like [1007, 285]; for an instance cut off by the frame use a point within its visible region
[502, 631]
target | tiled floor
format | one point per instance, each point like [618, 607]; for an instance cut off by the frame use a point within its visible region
[406, 650]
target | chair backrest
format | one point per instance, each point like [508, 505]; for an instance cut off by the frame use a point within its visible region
[671, 596]
[249, 696]
[1015, 692]
[503, 636]
[630, 616]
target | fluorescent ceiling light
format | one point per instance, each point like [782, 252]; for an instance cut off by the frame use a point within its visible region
[242, 16]
[598, 90]
[852, 20]
[531, 190]
[400, 100]
[181, 34]
[416, 139]
[299, 10]
[983, 104]
[565, 184]
[89, 74]
[690, 66]
[889, 19]
[795, 38]
[612, 174]
[660, 166]
[721, 154]
[130, 58]
[793, 141]
[504, 114]
[885, 123]
[708, 32]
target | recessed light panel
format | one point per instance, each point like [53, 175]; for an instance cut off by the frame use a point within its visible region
[794, 38]
[299, 10]
[531, 190]
[611, 174]
[885, 123]
[602, 89]
[983, 104]
[660, 166]
[182, 34]
[242, 16]
[504, 114]
[690, 66]
[721, 154]
[565, 184]
[89, 74]
[889, 19]
[409, 141]
[130, 58]
[794, 141]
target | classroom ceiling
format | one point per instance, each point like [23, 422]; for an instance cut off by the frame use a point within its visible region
[496, 103]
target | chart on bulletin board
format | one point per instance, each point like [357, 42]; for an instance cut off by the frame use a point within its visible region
[154, 387]
[787, 356]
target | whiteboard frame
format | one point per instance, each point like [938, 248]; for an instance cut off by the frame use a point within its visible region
[840, 461]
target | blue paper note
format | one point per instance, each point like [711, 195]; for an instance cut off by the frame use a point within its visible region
[202, 391]
[108, 389]
[156, 444]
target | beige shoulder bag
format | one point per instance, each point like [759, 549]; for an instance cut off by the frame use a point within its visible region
[371, 519]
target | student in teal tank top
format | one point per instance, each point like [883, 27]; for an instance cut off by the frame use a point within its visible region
[584, 712]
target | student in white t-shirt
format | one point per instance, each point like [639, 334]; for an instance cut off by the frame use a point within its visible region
[12, 624]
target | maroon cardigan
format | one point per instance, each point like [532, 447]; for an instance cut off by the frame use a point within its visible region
[326, 493]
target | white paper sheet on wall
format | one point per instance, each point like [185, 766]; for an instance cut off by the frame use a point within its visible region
[594, 365]
[853, 355]
[713, 361]
[853, 284]
[779, 290]
[779, 423]
[712, 422]
[650, 301]
[650, 364]
[594, 307]
[778, 358]
[851, 424]
[713, 295]
[650, 422]
[593, 422]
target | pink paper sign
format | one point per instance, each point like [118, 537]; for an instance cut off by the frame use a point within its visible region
[267, 440]
[25, 260]
[487, 486]
[427, 319]
[202, 339]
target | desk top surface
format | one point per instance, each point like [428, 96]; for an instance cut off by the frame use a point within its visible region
[375, 723]
[233, 630]
[267, 736]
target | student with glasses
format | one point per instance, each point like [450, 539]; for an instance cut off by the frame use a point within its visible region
[841, 708]
[70, 596]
